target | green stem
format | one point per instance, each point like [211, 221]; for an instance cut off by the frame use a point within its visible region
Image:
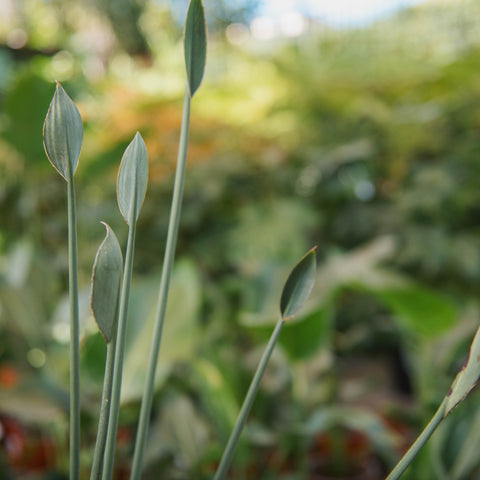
[119, 353]
[247, 405]
[96, 471]
[175, 211]
[420, 442]
[74, 334]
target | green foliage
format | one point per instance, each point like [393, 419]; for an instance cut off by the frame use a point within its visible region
[379, 137]
[63, 134]
[422, 310]
[298, 286]
[467, 378]
[181, 334]
[295, 293]
[133, 179]
[106, 278]
[24, 103]
[195, 43]
[304, 336]
[62, 138]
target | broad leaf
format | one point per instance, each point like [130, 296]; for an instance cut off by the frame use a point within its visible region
[63, 133]
[106, 278]
[133, 179]
[181, 332]
[195, 43]
[302, 337]
[216, 389]
[467, 378]
[298, 286]
[423, 310]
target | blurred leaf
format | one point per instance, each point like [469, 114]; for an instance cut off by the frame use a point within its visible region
[423, 310]
[259, 232]
[180, 430]
[24, 104]
[467, 459]
[299, 285]
[133, 179]
[371, 424]
[106, 278]
[216, 384]
[326, 418]
[92, 357]
[181, 334]
[195, 43]
[35, 399]
[467, 378]
[302, 336]
[20, 278]
[63, 133]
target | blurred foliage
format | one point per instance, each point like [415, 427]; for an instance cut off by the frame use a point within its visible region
[364, 142]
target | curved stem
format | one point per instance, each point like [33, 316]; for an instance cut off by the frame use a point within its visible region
[119, 354]
[169, 256]
[97, 464]
[419, 443]
[74, 334]
[247, 405]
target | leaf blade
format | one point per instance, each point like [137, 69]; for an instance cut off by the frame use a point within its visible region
[63, 133]
[298, 285]
[132, 179]
[106, 279]
[195, 45]
[421, 309]
[467, 378]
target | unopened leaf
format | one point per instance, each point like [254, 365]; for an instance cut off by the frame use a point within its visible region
[133, 179]
[63, 133]
[106, 277]
[467, 378]
[195, 43]
[298, 286]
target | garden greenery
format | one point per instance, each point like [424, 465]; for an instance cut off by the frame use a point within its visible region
[111, 280]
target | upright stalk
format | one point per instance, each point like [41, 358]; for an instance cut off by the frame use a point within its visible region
[247, 405]
[413, 451]
[119, 354]
[169, 256]
[96, 471]
[74, 334]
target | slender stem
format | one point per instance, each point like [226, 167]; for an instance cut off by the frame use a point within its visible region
[119, 354]
[247, 405]
[175, 211]
[74, 334]
[97, 464]
[419, 443]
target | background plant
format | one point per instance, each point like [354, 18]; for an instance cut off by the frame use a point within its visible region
[370, 114]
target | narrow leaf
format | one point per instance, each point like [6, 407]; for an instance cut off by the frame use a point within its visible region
[467, 378]
[195, 43]
[299, 285]
[133, 179]
[63, 133]
[106, 277]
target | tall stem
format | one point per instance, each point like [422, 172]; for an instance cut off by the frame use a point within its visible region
[247, 405]
[96, 471]
[119, 354]
[419, 443]
[74, 334]
[163, 292]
